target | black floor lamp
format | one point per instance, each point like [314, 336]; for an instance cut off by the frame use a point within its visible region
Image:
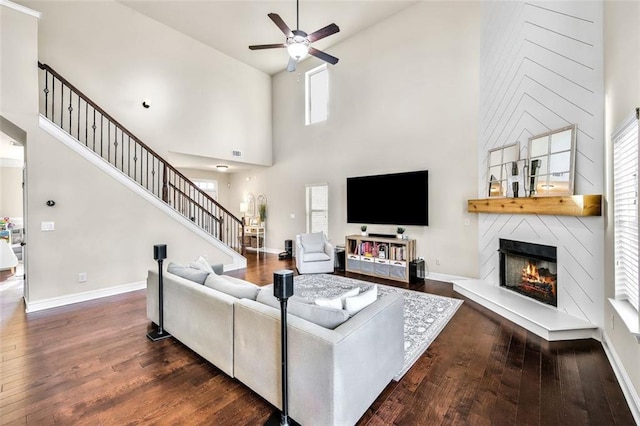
[283, 289]
[159, 254]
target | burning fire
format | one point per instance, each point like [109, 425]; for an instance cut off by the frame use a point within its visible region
[532, 275]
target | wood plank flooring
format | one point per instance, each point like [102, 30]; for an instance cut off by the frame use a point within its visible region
[91, 364]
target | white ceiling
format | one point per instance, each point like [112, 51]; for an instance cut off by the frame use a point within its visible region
[231, 26]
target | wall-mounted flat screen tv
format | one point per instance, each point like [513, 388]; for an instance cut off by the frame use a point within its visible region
[391, 199]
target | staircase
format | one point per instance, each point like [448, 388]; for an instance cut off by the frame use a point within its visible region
[68, 108]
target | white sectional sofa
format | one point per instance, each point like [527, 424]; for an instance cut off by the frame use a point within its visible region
[334, 374]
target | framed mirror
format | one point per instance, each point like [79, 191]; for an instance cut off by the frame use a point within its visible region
[552, 162]
[497, 176]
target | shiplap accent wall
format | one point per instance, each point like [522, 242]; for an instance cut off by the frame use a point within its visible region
[542, 69]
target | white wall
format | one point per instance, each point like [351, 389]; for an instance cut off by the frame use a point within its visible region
[542, 70]
[101, 228]
[93, 232]
[622, 94]
[203, 102]
[19, 78]
[10, 192]
[403, 97]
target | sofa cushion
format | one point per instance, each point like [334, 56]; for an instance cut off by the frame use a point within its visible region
[266, 297]
[338, 302]
[320, 315]
[241, 290]
[192, 274]
[315, 257]
[312, 243]
[355, 304]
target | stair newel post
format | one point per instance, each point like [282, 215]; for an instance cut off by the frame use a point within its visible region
[242, 239]
[165, 186]
[220, 226]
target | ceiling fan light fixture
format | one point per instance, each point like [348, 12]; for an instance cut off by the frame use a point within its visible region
[298, 49]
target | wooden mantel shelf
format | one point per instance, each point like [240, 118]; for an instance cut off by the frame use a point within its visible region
[570, 205]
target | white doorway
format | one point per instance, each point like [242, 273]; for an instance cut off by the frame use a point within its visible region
[13, 202]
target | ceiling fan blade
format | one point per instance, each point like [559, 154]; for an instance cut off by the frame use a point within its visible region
[280, 23]
[323, 32]
[267, 46]
[324, 56]
[291, 66]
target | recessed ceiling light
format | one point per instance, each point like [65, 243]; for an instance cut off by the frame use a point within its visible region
[222, 167]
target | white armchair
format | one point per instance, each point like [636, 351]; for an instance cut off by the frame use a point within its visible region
[314, 254]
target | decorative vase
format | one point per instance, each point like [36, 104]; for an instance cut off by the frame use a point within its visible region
[363, 233]
[399, 236]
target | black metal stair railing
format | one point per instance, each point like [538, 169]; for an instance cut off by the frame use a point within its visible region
[91, 126]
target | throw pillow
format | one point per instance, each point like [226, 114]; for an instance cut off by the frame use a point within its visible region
[355, 304]
[202, 264]
[313, 243]
[324, 317]
[338, 302]
[239, 290]
[192, 274]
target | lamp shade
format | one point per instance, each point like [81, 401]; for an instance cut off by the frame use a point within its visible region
[298, 50]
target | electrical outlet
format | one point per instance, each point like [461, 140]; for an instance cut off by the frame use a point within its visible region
[438, 262]
[467, 222]
[292, 216]
[82, 277]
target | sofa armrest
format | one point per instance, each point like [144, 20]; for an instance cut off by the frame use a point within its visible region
[218, 268]
[328, 249]
[334, 375]
[299, 248]
[198, 316]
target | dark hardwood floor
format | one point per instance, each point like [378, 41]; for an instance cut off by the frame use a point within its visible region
[91, 364]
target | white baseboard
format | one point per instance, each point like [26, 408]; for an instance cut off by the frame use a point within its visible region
[251, 251]
[55, 302]
[630, 393]
[444, 277]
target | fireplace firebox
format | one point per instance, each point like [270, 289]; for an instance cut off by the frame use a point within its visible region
[530, 269]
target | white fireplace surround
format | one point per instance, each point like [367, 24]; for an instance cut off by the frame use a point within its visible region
[561, 323]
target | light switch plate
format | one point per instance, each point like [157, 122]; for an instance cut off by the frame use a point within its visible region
[47, 226]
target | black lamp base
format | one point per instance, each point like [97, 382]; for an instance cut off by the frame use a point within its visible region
[276, 419]
[155, 335]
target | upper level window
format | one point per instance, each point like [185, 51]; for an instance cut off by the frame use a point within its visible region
[317, 94]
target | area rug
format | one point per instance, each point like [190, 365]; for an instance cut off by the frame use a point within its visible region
[425, 315]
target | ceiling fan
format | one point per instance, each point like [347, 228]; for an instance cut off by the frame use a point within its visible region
[298, 43]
